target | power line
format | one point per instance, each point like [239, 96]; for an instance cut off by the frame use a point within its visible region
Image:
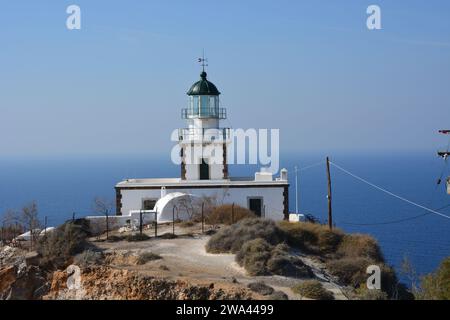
[389, 193]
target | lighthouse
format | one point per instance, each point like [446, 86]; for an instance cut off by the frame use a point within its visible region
[203, 146]
[203, 143]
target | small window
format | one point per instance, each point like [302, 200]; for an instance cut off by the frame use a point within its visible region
[148, 204]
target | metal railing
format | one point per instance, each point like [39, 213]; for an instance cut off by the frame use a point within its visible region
[194, 134]
[216, 113]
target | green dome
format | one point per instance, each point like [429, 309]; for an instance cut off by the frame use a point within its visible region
[203, 87]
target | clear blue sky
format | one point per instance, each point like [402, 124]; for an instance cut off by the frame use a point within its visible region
[310, 68]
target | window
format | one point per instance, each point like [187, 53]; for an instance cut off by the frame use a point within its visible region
[195, 105]
[148, 204]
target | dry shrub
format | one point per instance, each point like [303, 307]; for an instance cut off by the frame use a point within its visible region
[145, 257]
[311, 237]
[313, 289]
[436, 286]
[59, 246]
[259, 258]
[186, 224]
[278, 295]
[362, 293]
[254, 256]
[88, 258]
[232, 238]
[137, 237]
[223, 215]
[360, 245]
[261, 288]
[350, 271]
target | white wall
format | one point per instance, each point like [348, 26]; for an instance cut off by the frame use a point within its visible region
[272, 198]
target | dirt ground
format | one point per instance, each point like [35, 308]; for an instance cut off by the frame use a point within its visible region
[185, 258]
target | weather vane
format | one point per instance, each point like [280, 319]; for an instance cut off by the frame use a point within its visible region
[203, 61]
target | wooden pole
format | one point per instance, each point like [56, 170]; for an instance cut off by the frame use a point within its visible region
[330, 213]
[203, 218]
[156, 224]
[140, 222]
[107, 225]
[232, 213]
[173, 220]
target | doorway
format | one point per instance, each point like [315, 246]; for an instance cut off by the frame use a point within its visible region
[204, 170]
[256, 205]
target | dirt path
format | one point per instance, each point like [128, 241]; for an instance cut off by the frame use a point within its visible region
[186, 258]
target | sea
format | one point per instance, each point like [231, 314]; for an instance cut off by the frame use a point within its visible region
[67, 185]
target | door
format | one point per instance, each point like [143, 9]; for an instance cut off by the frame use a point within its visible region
[255, 205]
[204, 170]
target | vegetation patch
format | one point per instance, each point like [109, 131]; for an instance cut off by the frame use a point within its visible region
[313, 289]
[59, 246]
[232, 238]
[88, 258]
[261, 288]
[278, 295]
[227, 214]
[436, 286]
[137, 237]
[311, 237]
[145, 257]
[360, 245]
[168, 235]
[259, 258]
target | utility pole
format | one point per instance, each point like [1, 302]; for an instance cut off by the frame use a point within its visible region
[330, 213]
[445, 155]
[296, 189]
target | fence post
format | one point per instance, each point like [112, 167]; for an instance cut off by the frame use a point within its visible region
[156, 224]
[203, 218]
[140, 222]
[173, 219]
[232, 213]
[107, 224]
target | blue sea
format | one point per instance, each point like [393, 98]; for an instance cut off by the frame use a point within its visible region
[66, 185]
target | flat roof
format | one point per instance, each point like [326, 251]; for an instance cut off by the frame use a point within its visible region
[177, 182]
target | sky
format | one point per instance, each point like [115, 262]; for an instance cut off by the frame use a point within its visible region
[309, 68]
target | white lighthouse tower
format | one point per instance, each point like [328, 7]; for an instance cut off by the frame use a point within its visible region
[203, 143]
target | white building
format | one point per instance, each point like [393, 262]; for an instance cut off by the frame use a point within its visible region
[265, 195]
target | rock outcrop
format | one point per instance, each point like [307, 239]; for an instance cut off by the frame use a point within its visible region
[105, 283]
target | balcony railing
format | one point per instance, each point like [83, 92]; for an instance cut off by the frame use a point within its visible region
[194, 134]
[202, 113]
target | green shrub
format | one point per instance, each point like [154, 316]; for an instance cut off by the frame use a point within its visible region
[360, 245]
[261, 288]
[223, 215]
[313, 289]
[88, 258]
[436, 286]
[137, 237]
[145, 257]
[232, 238]
[59, 246]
